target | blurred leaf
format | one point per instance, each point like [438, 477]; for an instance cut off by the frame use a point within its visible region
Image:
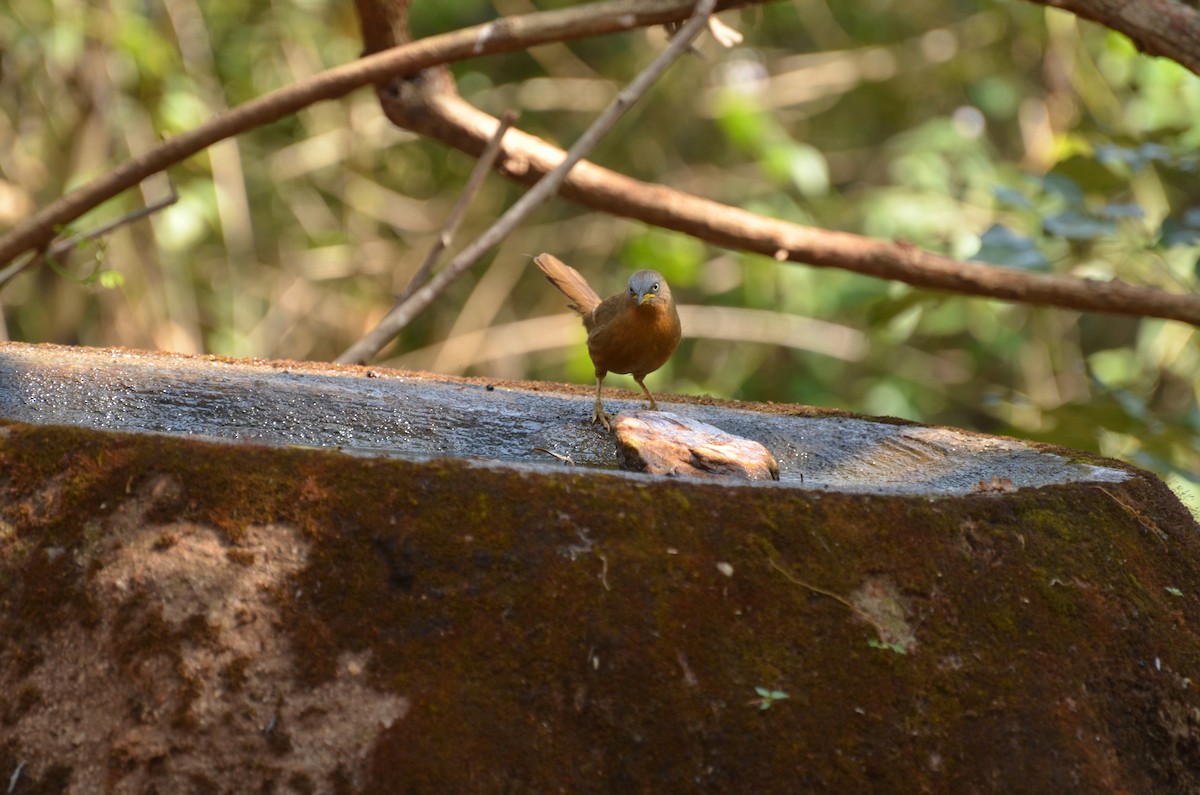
[1000, 245]
[755, 131]
[1074, 225]
[1077, 175]
[1113, 367]
[1112, 154]
[1173, 233]
[675, 256]
[741, 120]
[1013, 197]
[998, 96]
[800, 164]
[883, 312]
[1063, 186]
[1122, 210]
[110, 279]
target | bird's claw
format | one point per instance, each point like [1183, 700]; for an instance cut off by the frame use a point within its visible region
[603, 417]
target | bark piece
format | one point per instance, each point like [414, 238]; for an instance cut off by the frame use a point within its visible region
[664, 443]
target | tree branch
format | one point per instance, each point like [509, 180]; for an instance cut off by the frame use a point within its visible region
[404, 313]
[502, 35]
[1157, 27]
[445, 116]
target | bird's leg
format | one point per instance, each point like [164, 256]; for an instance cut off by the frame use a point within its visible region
[642, 384]
[598, 413]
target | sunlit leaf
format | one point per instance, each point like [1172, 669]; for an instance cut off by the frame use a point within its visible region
[741, 120]
[109, 279]
[802, 165]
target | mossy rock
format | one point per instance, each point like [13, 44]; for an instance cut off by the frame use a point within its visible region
[184, 615]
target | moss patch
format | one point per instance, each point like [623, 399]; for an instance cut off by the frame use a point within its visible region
[585, 632]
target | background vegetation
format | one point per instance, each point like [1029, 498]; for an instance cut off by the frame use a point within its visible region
[993, 130]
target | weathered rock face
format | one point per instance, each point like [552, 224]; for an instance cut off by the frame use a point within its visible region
[187, 616]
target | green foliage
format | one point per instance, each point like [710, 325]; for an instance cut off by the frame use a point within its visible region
[999, 133]
[898, 648]
[767, 697]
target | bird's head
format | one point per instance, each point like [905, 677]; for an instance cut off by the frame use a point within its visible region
[649, 287]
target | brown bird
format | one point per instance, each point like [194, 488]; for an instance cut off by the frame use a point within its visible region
[632, 332]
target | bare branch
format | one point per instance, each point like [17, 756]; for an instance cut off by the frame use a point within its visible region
[501, 35]
[451, 120]
[1164, 27]
[1157, 27]
[546, 187]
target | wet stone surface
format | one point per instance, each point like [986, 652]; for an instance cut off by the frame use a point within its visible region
[373, 411]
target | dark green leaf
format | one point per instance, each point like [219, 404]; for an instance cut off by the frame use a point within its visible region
[1174, 233]
[1074, 225]
[1064, 186]
[1013, 198]
[1000, 245]
[1122, 210]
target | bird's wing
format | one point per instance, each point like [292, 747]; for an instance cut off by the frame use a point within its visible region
[569, 282]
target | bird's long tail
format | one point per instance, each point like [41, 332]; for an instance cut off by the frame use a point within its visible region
[569, 282]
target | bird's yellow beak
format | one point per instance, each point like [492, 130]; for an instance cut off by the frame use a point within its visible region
[645, 298]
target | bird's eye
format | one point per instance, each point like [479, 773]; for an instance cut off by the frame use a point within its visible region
[655, 287]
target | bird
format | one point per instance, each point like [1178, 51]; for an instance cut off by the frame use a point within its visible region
[634, 331]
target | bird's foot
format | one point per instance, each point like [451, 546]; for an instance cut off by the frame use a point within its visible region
[601, 416]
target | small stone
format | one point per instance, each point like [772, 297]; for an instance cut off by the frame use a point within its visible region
[664, 443]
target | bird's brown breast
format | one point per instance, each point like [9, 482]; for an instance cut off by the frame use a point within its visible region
[624, 337]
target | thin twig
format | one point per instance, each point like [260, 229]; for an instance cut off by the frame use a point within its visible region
[822, 592]
[63, 246]
[482, 167]
[546, 187]
[566, 459]
[358, 352]
[1146, 524]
